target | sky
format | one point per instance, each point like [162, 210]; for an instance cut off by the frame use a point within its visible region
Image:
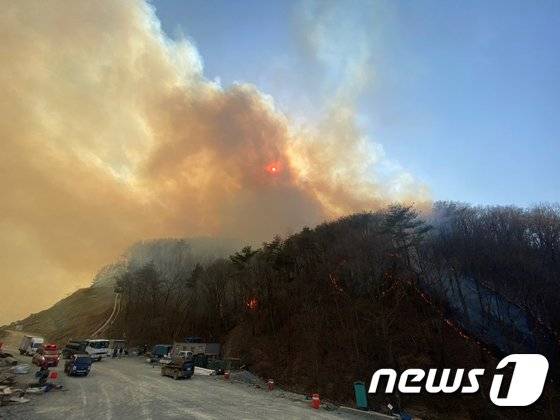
[464, 96]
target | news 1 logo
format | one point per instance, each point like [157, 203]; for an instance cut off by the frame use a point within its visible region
[518, 388]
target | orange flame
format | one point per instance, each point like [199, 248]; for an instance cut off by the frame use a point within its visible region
[252, 304]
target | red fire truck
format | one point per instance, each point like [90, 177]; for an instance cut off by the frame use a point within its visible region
[51, 354]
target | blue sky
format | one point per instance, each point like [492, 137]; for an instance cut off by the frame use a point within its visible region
[465, 95]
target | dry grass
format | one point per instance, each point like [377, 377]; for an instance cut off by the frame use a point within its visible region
[76, 316]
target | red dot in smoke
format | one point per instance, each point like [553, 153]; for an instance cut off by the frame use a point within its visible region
[273, 168]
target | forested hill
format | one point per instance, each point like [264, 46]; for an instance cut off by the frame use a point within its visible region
[327, 306]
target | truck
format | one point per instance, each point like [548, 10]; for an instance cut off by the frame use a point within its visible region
[51, 354]
[30, 344]
[47, 356]
[74, 347]
[159, 351]
[197, 346]
[97, 349]
[181, 366]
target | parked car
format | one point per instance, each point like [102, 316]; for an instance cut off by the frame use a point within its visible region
[79, 364]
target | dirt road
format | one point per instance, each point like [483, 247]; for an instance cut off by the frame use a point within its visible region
[129, 388]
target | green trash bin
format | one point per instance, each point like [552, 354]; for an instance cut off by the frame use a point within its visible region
[361, 395]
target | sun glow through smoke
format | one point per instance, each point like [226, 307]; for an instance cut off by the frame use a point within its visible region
[273, 168]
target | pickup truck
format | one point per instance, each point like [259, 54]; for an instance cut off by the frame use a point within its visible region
[179, 367]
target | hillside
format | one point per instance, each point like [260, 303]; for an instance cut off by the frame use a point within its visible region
[327, 306]
[81, 313]
[78, 315]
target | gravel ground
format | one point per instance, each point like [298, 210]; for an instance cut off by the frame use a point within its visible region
[128, 388]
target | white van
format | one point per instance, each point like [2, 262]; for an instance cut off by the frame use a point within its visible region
[97, 348]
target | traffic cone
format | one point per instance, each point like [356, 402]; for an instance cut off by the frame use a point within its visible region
[53, 376]
[226, 375]
[315, 401]
[270, 384]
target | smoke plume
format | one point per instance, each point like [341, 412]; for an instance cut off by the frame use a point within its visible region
[111, 134]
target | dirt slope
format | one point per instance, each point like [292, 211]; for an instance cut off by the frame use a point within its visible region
[78, 315]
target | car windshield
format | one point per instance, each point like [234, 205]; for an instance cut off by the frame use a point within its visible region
[83, 359]
[36, 345]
